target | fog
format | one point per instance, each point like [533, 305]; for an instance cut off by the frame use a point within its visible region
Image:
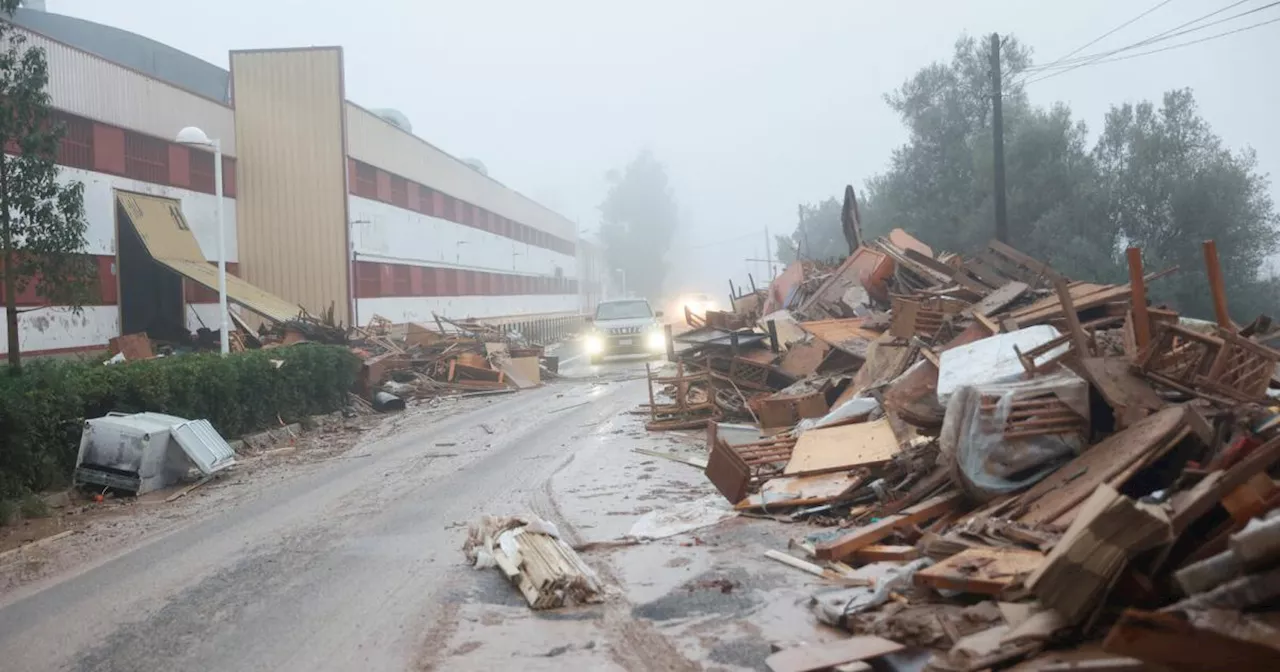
[753, 106]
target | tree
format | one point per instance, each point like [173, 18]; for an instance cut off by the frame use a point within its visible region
[817, 235]
[638, 220]
[1169, 184]
[42, 223]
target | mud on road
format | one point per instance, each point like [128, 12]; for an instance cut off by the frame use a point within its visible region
[353, 561]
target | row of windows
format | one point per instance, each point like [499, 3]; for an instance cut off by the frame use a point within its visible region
[93, 146]
[379, 185]
[374, 280]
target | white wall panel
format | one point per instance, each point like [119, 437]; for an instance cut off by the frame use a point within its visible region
[100, 211]
[419, 309]
[90, 86]
[61, 329]
[384, 232]
[378, 143]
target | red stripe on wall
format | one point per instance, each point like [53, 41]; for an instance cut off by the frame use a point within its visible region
[93, 145]
[379, 185]
[376, 280]
[107, 293]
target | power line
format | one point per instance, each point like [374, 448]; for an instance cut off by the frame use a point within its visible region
[1167, 35]
[1155, 51]
[1158, 37]
[1101, 37]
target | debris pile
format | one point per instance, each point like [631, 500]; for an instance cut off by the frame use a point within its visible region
[414, 361]
[1017, 466]
[533, 557]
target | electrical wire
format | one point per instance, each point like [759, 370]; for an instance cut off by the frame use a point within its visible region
[1153, 51]
[1099, 38]
[1028, 73]
[1161, 37]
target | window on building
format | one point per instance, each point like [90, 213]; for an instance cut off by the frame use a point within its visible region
[201, 171]
[399, 191]
[368, 280]
[452, 209]
[146, 158]
[366, 181]
[76, 149]
[401, 280]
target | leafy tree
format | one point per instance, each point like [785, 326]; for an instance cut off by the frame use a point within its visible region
[638, 220]
[42, 224]
[1169, 185]
[817, 235]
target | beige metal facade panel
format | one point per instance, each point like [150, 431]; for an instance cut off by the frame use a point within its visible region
[162, 226]
[254, 298]
[291, 176]
[374, 141]
[92, 87]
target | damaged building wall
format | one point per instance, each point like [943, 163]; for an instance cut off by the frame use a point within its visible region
[119, 126]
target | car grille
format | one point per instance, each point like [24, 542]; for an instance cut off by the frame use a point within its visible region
[622, 331]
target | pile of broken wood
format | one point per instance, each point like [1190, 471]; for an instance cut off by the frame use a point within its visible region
[1022, 469]
[413, 360]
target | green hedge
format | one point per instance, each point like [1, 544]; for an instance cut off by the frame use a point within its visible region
[43, 410]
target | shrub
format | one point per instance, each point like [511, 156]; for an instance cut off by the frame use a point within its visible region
[43, 410]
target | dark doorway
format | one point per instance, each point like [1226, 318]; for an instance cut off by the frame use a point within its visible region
[150, 294]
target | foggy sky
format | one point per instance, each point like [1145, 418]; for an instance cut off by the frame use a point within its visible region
[753, 105]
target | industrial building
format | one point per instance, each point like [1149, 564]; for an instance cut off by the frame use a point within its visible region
[328, 205]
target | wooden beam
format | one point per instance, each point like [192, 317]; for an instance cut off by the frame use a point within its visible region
[1141, 320]
[1217, 288]
[1078, 337]
[862, 537]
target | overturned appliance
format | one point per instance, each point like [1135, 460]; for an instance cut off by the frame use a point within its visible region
[147, 451]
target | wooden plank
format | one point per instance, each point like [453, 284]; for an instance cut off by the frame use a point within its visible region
[886, 553]
[1190, 505]
[699, 462]
[843, 447]
[1217, 288]
[997, 300]
[1130, 396]
[983, 570]
[1078, 337]
[1171, 641]
[1141, 319]
[866, 535]
[1018, 257]
[790, 491]
[1074, 481]
[822, 656]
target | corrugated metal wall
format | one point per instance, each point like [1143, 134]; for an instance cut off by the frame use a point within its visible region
[292, 172]
[91, 87]
[374, 141]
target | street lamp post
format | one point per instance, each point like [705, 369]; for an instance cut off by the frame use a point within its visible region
[194, 137]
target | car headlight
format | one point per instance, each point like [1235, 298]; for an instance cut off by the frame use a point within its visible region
[657, 340]
[594, 344]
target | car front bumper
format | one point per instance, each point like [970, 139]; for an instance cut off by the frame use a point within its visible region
[643, 343]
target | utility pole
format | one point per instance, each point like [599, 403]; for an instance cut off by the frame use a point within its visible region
[997, 134]
[768, 252]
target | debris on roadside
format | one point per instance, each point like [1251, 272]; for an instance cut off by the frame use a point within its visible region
[533, 557]
[983, 428]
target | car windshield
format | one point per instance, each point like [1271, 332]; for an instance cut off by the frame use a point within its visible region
[623, 310]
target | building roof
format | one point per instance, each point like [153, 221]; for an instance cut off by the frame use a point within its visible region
[132, 51]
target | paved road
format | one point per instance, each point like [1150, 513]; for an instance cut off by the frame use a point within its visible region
[343, 567]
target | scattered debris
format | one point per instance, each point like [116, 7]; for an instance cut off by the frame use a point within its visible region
[982, 427]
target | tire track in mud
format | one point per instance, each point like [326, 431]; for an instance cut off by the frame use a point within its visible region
[634, 644]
